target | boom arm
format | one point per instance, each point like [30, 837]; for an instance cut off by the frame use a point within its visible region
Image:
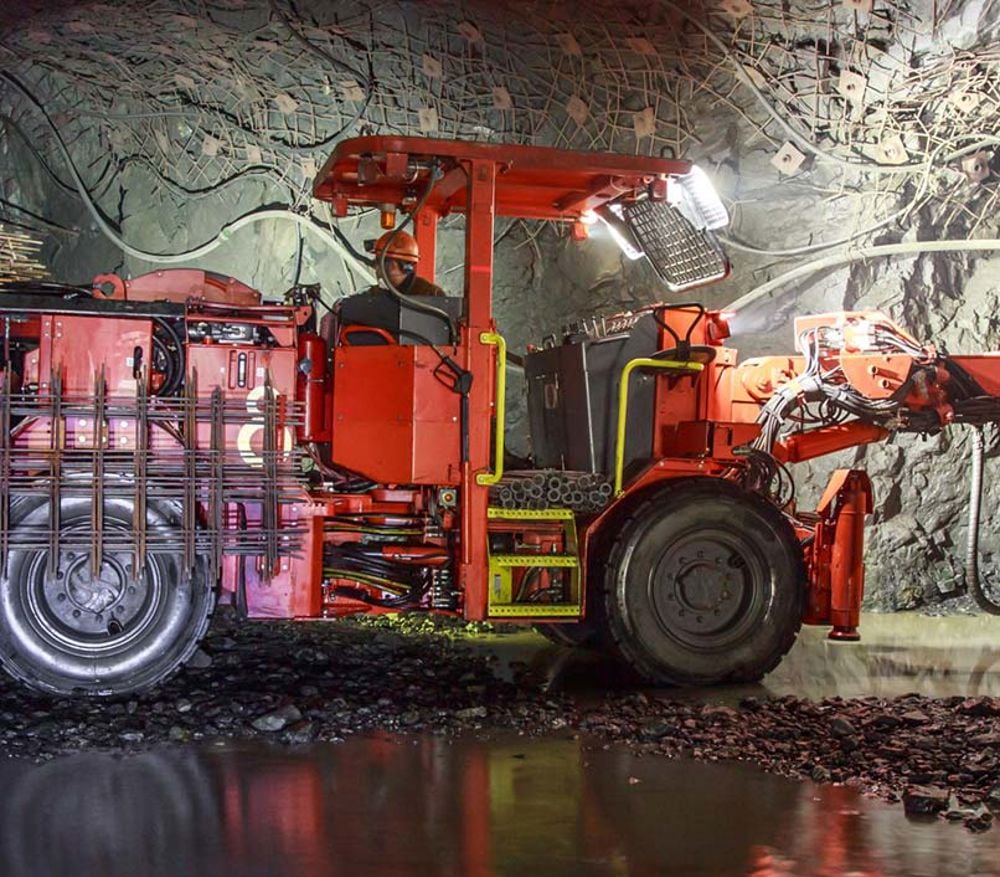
[860, 378]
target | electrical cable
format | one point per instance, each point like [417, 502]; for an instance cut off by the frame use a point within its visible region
[793, 133]
[316, 50]
[298, 259]
[189, 255]
[173, 360]
[407, 301]
[918, 200]
[46, 223]
[880, 251]
[822, 245]
[369, 81]
[973, 580]
[11, 124]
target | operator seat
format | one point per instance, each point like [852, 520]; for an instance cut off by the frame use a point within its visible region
[383, 311]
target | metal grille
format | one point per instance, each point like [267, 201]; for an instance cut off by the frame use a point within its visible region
[681, 255]
[208, 481]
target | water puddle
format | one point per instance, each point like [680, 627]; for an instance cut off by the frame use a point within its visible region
[426, 806]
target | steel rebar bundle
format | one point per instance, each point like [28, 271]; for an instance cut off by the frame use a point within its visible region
[179, 451]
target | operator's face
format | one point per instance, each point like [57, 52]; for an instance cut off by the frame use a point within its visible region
[396, 271]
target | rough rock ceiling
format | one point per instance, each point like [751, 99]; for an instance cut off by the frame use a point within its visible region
[893, 105]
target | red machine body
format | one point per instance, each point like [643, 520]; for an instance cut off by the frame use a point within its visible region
[356, 464]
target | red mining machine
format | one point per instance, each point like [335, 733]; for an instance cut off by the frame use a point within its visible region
[173, 440]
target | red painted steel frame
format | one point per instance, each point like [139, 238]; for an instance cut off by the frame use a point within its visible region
[532, 182]
[482, 181]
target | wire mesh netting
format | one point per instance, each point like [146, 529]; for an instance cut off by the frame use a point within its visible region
[865, 99]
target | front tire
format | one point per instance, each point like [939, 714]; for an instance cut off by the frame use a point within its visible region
[67, 632]
[705, 584]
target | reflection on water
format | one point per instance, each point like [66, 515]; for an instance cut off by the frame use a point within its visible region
[428, 806]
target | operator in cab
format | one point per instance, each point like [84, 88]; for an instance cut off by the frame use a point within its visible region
[401, 260]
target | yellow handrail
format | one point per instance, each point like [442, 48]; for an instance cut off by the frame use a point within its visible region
[630, 367]
[485, 479]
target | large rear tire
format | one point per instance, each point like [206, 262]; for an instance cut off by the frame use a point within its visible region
[70, 633]
[705, 585]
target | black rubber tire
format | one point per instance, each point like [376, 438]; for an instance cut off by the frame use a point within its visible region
[69, 635]
[705, 585]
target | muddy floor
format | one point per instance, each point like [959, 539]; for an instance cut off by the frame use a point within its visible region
[934, 751]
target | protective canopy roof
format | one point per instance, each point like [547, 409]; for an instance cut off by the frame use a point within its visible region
[532, 182]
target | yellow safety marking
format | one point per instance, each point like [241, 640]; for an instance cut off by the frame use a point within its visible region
[519, 560]
[528, 610]
[493, 512]
[485, 479]
[631, 366]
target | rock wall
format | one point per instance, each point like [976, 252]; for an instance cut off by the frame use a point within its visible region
[827, 126]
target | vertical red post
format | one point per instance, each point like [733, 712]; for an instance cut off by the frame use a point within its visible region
[847, 569]
[425, 231]
[479, 360]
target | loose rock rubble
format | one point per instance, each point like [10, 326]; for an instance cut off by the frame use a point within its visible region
[300, 683]
[293, 683]
[941, 756]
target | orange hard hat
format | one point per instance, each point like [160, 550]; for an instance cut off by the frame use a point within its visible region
[403, 247]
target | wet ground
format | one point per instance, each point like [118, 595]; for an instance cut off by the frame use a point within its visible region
[378, 805]
[899, 653]
[510, 756]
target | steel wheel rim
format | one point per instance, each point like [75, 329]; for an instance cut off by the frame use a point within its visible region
[95, 630]
[702, 587]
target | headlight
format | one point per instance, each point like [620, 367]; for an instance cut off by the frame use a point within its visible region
[611, 216]
[695, 197]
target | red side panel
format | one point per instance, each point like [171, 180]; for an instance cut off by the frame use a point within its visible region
[77, 348]
[393, 421]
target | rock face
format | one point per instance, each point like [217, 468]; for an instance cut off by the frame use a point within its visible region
[228, 108]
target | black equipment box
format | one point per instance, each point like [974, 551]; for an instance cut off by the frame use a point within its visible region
[573, 400]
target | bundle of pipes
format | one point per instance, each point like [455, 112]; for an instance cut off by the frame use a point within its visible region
[583, 492]
[18, 251]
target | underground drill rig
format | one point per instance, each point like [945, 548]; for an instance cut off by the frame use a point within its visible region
[174, 440]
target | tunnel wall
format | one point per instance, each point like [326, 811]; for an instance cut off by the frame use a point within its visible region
[827, 126]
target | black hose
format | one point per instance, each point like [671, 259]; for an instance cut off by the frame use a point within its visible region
[972, 579]
[174, 376]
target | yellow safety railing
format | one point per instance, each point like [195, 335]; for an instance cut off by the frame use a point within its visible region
[631, 366]
[485, 479]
